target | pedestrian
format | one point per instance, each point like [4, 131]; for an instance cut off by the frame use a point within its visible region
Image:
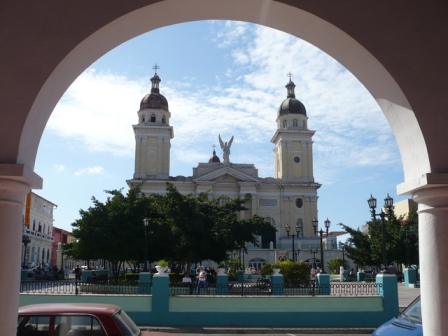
[352, 273]
[186, 281]
[313, 273]
[202, 281]
[77, 273]
[66, 273]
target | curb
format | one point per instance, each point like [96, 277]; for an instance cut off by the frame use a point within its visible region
[221, 330]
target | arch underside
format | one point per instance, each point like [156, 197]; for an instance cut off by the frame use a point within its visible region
[303, 23]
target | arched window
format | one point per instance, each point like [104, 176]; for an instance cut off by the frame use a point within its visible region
[153, 117]
[256, 264]
[163, 120]
[300, 224]
[143, 119]
[295, 123]
[285, 123]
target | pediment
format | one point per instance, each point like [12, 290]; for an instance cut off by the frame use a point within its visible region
[226, 175]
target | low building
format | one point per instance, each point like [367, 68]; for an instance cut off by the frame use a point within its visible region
[37, 231]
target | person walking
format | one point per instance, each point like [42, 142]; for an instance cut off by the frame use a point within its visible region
[202, 281]
[77, 273]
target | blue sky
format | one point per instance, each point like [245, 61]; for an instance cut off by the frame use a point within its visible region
[220, 77]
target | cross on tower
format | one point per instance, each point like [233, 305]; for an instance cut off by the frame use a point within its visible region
[289, 75]
[156, 67]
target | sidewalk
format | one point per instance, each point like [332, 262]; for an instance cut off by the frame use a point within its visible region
[406, 295]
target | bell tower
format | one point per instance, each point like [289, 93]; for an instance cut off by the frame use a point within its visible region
[153, 135]
[293, 153]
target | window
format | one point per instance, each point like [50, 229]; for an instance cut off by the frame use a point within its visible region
[90, 324]
[300, 224]
[126, 325]
[256, 264]
[295, 123]
[153, 117]
[163, 120]
[285, 124]
[33, 325]
[143, 119]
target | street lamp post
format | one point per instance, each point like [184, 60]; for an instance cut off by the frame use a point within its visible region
[407, 230]
[296, 235]
[313, 250]
[321, 232]
[25, 240]
[388, 203]
[342, 246]
[146, 224]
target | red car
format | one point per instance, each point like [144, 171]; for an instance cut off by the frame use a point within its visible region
[75, 319]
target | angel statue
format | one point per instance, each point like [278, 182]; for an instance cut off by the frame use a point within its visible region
[225, 148]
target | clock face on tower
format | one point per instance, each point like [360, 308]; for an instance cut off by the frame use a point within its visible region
[296, 159]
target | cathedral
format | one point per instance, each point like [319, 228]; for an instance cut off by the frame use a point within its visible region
[288, 200]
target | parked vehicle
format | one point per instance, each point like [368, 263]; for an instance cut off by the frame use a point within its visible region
[408, 323]
[75, 319]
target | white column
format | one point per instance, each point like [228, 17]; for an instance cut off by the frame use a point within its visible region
[433, 234]
[12, 202]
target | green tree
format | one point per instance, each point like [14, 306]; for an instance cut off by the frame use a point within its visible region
[334, 265]
[182, 228]
[358, 247]
[203, 228]
[112, 230]
[367, 248]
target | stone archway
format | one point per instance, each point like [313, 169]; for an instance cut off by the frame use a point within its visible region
[43, 55]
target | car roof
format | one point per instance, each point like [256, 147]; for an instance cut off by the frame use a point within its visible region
[74, 308]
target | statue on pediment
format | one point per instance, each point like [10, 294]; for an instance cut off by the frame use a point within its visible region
[225, 149]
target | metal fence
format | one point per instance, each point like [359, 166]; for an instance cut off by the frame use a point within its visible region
[258, 288]
[72, 287]
[261, 288]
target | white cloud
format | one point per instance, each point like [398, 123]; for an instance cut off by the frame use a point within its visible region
[96, 170]
[59, 168]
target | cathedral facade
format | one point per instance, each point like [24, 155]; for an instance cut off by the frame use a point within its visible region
[288, 200]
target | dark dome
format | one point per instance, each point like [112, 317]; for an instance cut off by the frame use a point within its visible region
[291, 105]
[154, 100]
[214, 158]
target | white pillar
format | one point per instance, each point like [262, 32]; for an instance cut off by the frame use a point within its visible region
[433, 233]
[16, 181]
[12, 202]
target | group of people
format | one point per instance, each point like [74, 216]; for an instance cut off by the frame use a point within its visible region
[201, 283]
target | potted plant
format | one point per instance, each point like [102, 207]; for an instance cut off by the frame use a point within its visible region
[161, 267]
[222, 268]
[276, 268]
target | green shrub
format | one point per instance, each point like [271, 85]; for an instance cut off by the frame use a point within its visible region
[266, 270]
[129, 278]
[296, 272]
[162, 263]
[234, 265]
